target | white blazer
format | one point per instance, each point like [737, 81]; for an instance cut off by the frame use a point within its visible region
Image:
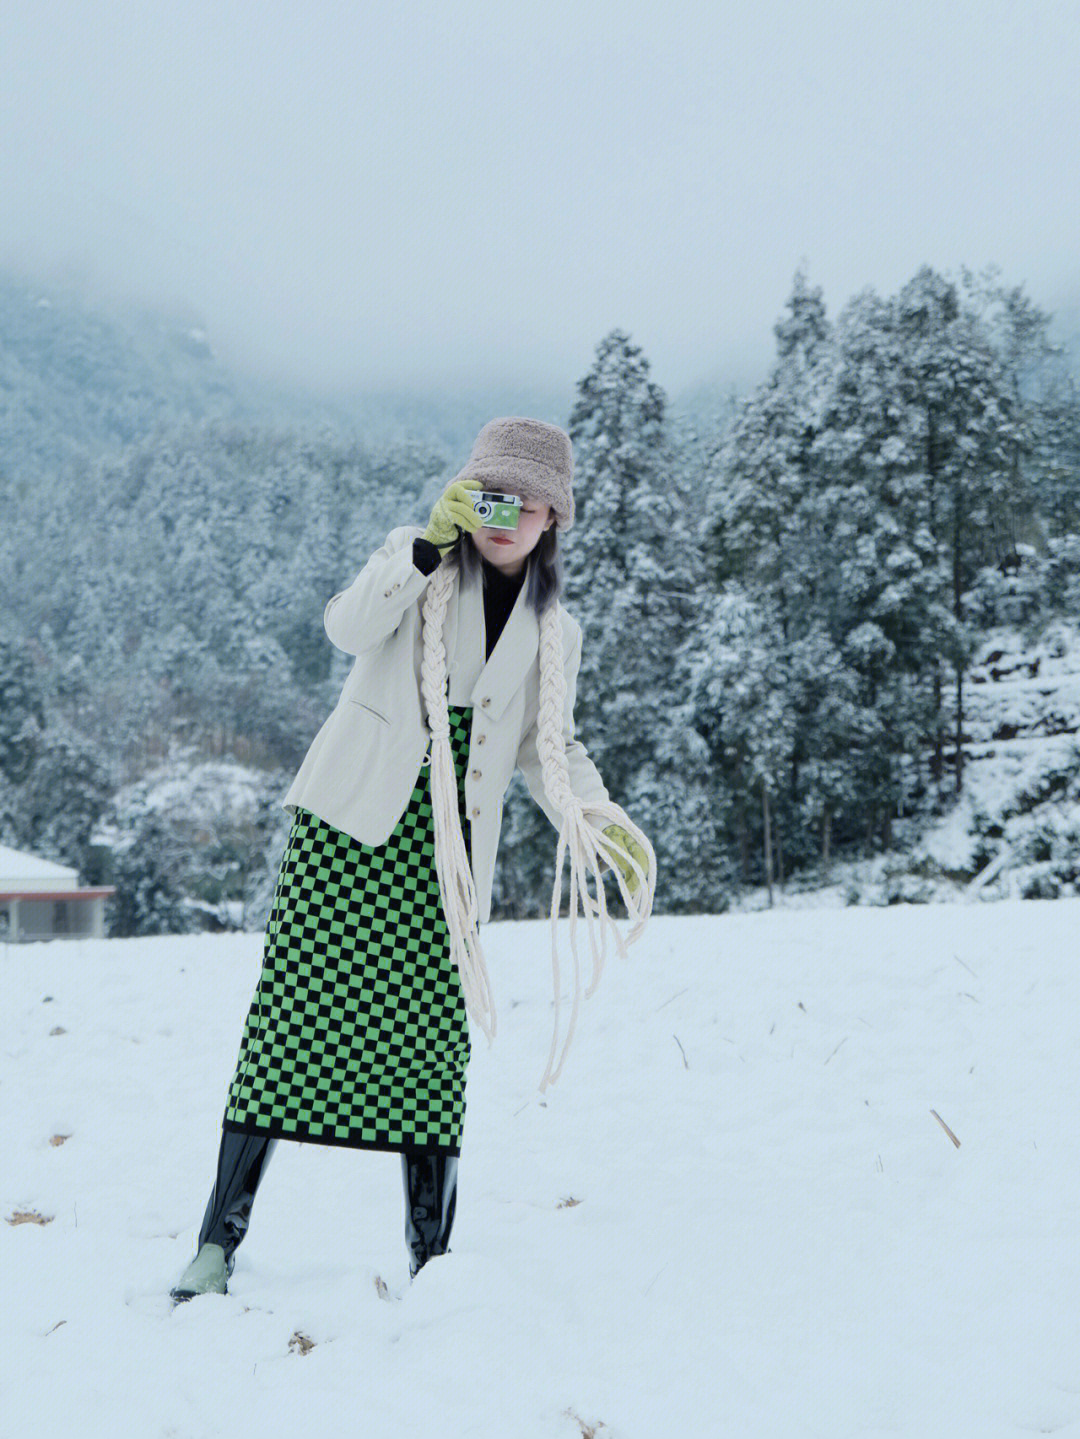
[362, 765]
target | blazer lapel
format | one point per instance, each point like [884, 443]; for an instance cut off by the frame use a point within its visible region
[497, 678]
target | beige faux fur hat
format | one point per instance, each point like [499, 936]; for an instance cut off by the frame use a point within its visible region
[526, 457]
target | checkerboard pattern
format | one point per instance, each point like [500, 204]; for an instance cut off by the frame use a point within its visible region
[357, 1033]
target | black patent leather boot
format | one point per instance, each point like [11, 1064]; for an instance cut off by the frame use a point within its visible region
[242, 1159]
[430, 1198]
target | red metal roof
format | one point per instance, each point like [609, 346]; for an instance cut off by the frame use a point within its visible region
[57, 894]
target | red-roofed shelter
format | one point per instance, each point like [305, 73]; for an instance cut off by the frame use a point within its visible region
[40, 899]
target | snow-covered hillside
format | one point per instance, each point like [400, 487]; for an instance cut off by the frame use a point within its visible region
[1014, 832]
[1017, 823]
[739, 1212]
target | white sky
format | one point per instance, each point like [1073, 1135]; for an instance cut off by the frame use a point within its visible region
[417, 194]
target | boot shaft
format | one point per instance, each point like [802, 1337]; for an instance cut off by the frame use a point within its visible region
[430, 1200]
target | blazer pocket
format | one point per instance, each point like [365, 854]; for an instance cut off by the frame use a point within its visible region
[361, 705]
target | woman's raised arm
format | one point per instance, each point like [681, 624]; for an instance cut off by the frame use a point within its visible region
[369, 611]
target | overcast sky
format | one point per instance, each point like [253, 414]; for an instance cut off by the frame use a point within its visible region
[398, 193]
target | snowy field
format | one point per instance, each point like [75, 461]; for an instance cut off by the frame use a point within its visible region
[770, 1233]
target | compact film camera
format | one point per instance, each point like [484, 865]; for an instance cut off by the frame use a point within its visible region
[497, 511]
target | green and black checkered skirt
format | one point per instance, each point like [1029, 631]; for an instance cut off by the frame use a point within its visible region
[357, 1033]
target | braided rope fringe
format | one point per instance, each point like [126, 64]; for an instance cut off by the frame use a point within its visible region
[585, 842]
[456, 886]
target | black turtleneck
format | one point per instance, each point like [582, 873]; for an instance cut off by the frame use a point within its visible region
[500, 591]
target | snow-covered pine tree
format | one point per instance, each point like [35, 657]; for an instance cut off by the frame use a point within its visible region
[771, 547]
[963, 486]
[632, 578]
[883, 595]
[740, 706]
[22, 712]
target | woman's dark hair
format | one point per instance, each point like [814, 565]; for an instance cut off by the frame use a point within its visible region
[543, 574]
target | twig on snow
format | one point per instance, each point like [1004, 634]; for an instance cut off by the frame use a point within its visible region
[946, 1128]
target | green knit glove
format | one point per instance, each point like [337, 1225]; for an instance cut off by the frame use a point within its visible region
[453, 512]
[628, 846]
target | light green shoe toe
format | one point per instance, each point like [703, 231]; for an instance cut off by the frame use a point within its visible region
[204, 1275]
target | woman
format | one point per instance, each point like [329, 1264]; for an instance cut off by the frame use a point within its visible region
[357, 1033]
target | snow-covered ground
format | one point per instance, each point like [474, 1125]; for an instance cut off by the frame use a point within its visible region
[772, 1233]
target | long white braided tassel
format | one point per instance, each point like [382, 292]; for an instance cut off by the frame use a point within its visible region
[584, 839]
[456, 885]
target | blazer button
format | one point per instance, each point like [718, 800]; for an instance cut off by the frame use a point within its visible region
[476, 774]
[480, 738]
[485, 702]
[476, 809]
[386, 594]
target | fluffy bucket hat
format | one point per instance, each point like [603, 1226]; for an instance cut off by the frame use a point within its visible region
[525, 457]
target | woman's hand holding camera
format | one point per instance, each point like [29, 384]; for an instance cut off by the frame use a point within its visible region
[452, 513]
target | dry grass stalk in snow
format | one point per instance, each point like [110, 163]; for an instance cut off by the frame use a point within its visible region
[588, 1431]
[946, 1128]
